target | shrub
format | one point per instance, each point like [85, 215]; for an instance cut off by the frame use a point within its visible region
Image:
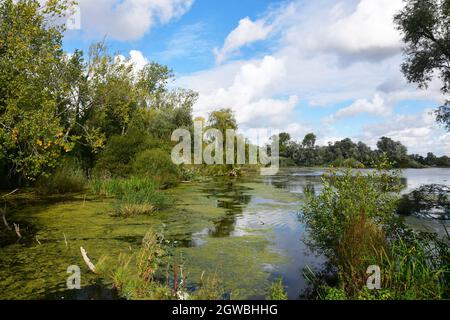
[157, 165]
[347, 197]
[287, 162]
[347, 163]
[117, 158]
[66, 179]
[353, 223]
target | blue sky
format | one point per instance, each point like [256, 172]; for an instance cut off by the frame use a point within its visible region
[329, 67]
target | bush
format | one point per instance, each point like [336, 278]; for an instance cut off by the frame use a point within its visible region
[117, 158]
[157, 165]
[66, 179]
[347, 163]
[347, 197]
[353, 223]
[287, 162]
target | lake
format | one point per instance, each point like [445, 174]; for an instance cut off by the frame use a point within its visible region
[244, 231]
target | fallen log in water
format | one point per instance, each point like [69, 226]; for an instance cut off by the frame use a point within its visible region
[88, 261]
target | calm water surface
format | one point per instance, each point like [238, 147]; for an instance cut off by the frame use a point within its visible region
[245, 231]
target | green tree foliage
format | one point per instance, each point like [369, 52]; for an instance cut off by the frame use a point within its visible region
[346, 153]
[309, 141]
[394, 150]
[285, 140]
[353, 223]
[121, 150]
[157, 165]
[32, 135]
[222, 120]
[426, 33]
[54, 105]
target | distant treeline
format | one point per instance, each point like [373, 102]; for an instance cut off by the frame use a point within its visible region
[346, 153]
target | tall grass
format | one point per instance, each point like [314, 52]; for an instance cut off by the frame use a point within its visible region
[66, 179]
[134, 275]
[134, 196]
[140, 275]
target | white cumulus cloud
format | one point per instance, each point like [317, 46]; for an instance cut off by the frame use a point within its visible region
[128, 19]
[246, 32]
[376, 106]
[325, 52]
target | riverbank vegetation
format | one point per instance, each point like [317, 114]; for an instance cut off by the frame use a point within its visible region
[353, 223]
[153, 273]
[346, 153]
[70, 121]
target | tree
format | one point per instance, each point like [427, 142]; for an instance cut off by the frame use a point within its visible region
[394, 150]
[284, 139]
[346, 149]
[431, 159]
[426, 33]
[309, 141]
[222, 120]
[365, 154]
[32, 136]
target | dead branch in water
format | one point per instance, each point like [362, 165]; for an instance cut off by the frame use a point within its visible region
[6, 223]
[17, 228]
[11, 193]
[88, 261]
[65, 241]
[38, 241]
[4, 218]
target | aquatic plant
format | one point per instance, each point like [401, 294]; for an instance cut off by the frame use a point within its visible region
[133, 274]
[210, 288]
[277, 292]
[139, 275]
[134, 196]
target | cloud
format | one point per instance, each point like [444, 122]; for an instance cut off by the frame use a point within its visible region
[364, 32]
[376, 106]
[128, 19]
[419, 133]
[326, 53]
[249, 94]
[246, 32]
[136, 58]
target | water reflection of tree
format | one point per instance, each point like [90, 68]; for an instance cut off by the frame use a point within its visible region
[427, 201]
[233, 198]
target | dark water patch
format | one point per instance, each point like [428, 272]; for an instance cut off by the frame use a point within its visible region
[97, 291]
[428, 201]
